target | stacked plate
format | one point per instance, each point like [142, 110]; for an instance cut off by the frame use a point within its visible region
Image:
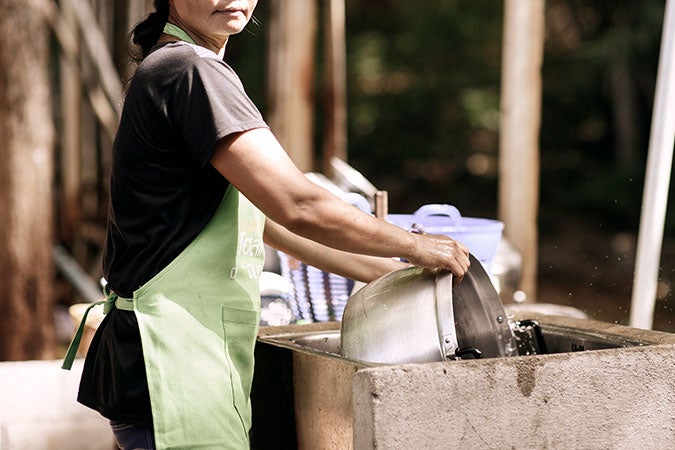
[317, 296]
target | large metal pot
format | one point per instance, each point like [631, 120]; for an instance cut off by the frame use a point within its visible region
[415, 315]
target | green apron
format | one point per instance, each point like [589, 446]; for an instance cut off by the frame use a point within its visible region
[198, 320]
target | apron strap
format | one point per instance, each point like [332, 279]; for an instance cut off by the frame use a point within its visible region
[110, 302]
[173, 30]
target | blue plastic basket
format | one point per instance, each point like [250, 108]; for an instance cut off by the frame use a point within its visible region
[482, 236]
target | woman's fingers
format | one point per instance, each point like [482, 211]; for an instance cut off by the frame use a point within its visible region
[442, 252]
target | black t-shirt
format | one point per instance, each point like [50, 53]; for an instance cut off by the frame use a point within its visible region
[182, 100]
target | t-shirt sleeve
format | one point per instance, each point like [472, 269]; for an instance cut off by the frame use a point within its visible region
[208, 103]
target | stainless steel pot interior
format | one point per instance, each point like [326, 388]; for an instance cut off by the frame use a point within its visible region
[480, 318]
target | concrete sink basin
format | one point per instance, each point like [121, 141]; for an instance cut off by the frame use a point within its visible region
[594, 386]
[556, 339]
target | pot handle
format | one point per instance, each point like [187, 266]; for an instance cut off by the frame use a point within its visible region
[440, 210]
[461, 352]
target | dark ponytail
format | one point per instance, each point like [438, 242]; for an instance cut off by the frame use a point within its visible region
[146, 33]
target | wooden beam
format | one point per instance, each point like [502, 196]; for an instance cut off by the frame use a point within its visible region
[71, 270]
[97, 47]
[523, 48]
[335, 96]
[71, 144]
[291, 49]
[101, 96]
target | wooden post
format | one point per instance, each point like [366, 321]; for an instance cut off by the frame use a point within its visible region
[523, 44]
[291, 77]
[71, 148]
[335, 97]
[26, 179]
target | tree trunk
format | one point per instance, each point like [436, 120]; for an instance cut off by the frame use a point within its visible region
[26, 167]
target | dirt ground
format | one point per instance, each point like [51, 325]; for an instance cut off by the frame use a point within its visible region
[584, 266]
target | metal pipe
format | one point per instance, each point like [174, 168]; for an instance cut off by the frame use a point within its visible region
[657, 181]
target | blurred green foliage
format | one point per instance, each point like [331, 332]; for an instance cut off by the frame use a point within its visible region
[423, 97]
[423, 102]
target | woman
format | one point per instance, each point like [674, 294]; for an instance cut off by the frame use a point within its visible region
[198, 183]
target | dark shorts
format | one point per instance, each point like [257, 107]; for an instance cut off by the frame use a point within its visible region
[132, 437]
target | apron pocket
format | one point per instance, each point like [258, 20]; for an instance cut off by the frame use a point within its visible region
[240, 327]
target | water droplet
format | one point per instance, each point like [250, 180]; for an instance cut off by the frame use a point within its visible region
[500, 319]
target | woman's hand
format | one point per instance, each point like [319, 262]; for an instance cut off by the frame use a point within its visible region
[440, 252]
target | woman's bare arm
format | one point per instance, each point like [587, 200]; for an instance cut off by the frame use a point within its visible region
[351, 265]
[255, 163]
